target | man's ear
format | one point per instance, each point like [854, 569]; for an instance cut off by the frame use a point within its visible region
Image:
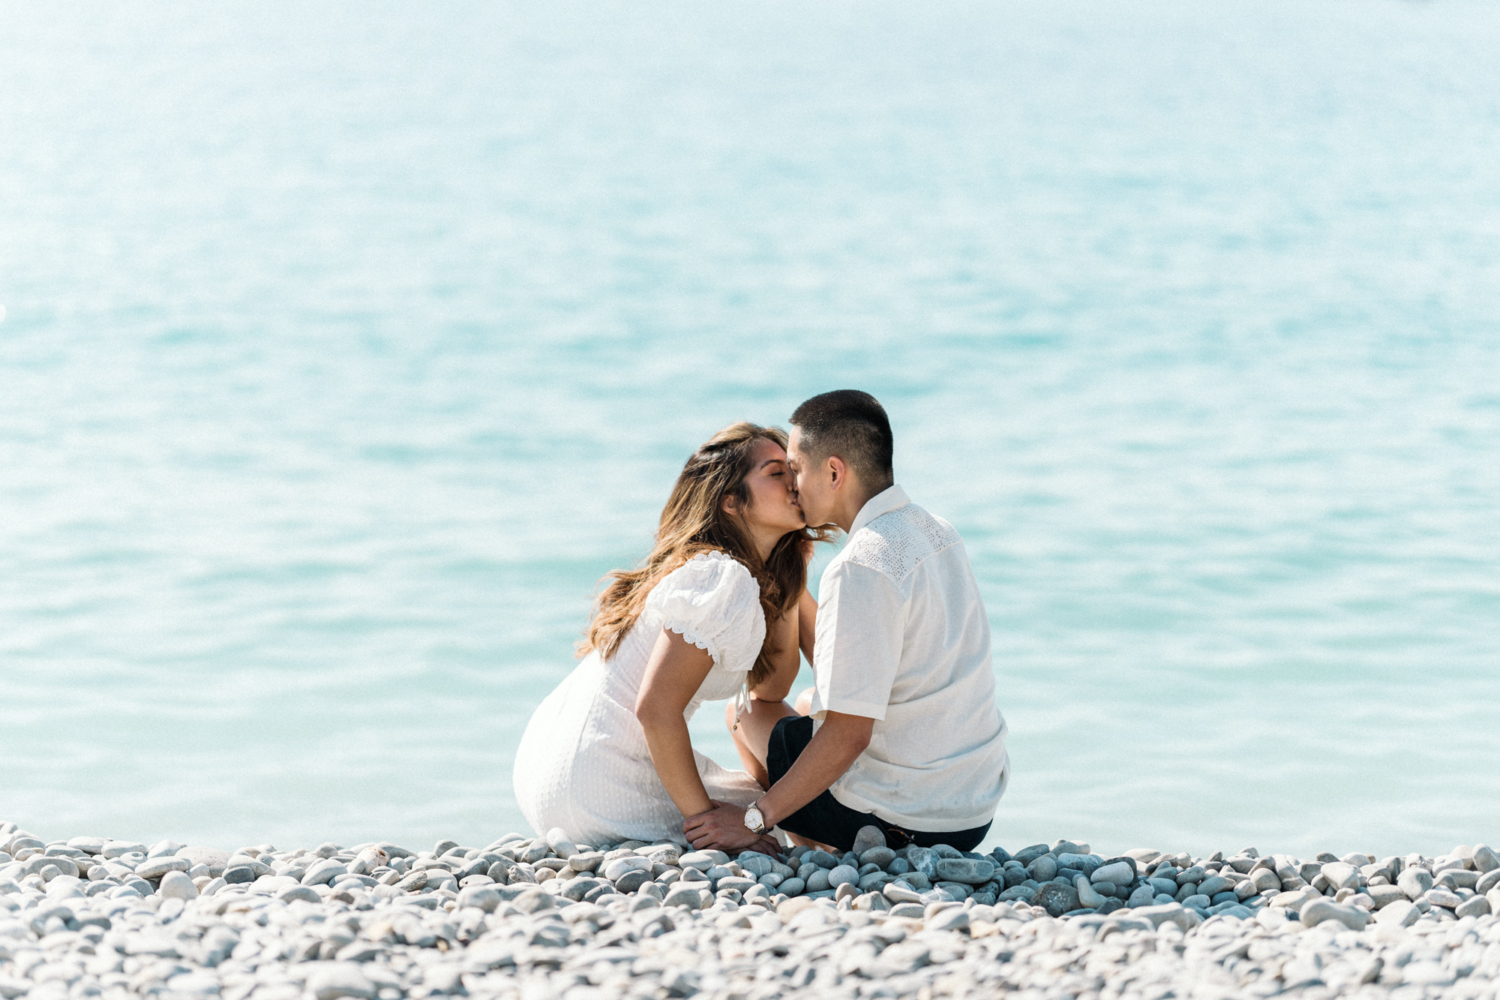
[838, 472]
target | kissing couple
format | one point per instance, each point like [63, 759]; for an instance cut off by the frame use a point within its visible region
[900, 730]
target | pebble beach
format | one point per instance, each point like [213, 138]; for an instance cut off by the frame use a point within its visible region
[538, 917]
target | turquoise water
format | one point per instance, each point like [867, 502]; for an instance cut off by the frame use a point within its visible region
[347, 346]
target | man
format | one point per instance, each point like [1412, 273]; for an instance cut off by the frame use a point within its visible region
[903, 732]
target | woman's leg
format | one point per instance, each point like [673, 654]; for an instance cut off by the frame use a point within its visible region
[752, 734]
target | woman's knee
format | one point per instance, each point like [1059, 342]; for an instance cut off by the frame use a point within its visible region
[804, 702]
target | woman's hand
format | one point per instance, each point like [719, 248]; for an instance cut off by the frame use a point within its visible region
[767, 845]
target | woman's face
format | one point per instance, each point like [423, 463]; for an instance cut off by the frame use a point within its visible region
[773, 501]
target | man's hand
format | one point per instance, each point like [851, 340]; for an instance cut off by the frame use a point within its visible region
[723, 828]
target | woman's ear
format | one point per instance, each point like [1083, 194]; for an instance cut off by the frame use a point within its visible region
[731, 505]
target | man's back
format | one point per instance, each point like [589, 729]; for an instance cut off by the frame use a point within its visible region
[903, 638]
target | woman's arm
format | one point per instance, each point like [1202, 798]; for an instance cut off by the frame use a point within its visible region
[779, 683]
[673, 675]
[807, 624]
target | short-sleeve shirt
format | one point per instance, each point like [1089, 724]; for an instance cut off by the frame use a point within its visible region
[903, 639]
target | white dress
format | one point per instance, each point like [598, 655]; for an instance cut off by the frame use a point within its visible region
[583, 764]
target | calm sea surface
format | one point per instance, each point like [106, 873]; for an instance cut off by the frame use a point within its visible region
[347, 346]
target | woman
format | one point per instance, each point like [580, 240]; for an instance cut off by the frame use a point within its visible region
[712, 613]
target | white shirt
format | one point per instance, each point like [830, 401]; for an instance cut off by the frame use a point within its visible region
[903, 639]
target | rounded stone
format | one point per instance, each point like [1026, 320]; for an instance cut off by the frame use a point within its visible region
[843, 875]
[632, 880]
[736, 883]
[1215, 884]
[177, 885]
[1084, 863]
[481, 896]
[118, 848]
[900, 892]
[1118, 872]
[533, 901]
[1043, 869]
[685, 896]
[157, 867]
[331, 980]
[793, 886]
[293, 893]
[324, 872]
[1055, 899]
[1265, 880]
[1316, 911]
[1414, 882]
[1474, 906]
[1088, 897]
[1402, 913]
[215, 859]
[413, 882]
[756, 864]
[619, 867]
[562, 845]
[1442, 897]
[965, 870]
[951, 919]
[1341, 875]
[575, 890]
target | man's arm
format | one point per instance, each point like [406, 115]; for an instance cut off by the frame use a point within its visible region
[865, 611]
[834, 747]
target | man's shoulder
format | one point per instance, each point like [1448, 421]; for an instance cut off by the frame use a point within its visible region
[898, 541]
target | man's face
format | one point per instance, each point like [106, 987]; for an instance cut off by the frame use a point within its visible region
[813, 481]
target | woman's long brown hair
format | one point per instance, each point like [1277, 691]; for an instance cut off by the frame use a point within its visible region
[693, 522]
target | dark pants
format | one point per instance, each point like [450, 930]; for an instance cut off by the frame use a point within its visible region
[826, 819]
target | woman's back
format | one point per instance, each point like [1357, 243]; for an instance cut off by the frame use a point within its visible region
[583, 764]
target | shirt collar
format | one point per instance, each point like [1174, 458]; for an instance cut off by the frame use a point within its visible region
[883, 502]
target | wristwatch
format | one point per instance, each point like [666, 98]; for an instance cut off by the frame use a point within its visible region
[754, 821]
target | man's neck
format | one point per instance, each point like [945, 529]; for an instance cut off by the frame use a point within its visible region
[848, 511]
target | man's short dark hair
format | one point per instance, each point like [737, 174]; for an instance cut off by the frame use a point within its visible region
[852, 425]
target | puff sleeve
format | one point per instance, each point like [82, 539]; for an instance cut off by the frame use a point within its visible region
[714, 602]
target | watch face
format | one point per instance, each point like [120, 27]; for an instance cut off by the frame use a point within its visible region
[754, 821]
